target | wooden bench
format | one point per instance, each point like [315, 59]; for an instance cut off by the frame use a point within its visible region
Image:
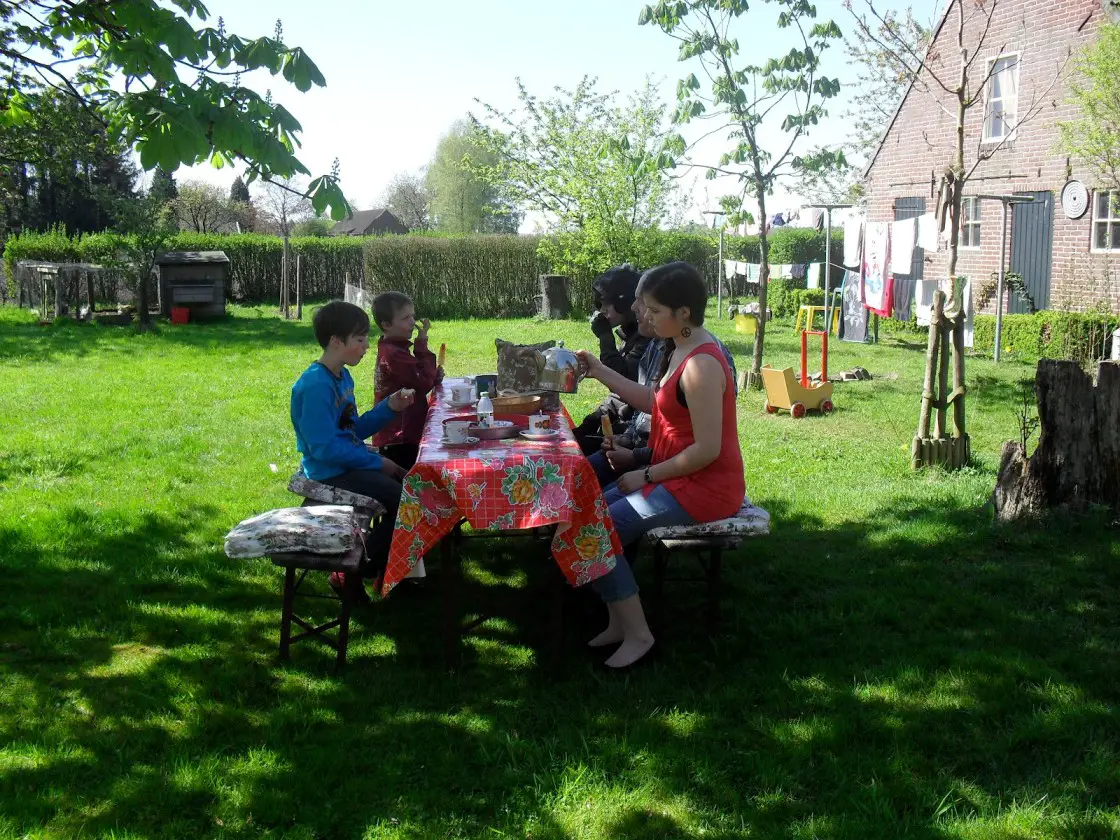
[349, 565]
[708, 541]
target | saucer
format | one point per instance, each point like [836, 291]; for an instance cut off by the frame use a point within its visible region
[542, 435]
[470, 404]
[470, 441]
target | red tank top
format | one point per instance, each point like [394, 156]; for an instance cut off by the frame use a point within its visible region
[717, 490]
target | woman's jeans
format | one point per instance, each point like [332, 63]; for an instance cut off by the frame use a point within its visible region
[659, 511]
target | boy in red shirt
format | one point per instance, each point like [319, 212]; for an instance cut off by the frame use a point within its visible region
[402, 363]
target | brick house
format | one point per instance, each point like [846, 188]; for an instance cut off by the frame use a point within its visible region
[1067, 263]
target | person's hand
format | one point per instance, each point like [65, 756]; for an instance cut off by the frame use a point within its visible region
[631, 481]
[422, 328]
[590, 363]
[402, 399]
[600, 325]
[439, 374]
[615, 442]
[391, 468]
[622, 459]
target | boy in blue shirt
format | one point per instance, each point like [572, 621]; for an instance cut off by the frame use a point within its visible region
[329, 430]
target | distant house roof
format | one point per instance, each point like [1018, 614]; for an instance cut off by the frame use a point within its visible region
[191, 257]
[363, 222]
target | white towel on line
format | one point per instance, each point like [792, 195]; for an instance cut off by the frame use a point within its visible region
[853, 228]
[902, 246]
[928, 239]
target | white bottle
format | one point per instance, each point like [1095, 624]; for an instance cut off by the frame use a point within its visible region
[485, 411]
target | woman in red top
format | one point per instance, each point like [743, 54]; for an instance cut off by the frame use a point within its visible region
[697, 470]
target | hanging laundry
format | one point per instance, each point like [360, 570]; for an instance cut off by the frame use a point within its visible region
[902, 246]
[797, 271]
[853, 229]
[813, 276]
[902, 296]
[853, 316]
[730, 268]
[928, 239]
[877, 285]
[924, 301]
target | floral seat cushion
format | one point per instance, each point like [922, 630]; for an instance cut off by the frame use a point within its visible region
[316, 529]
[749, 521]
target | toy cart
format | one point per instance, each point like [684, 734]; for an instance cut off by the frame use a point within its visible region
[797, 397]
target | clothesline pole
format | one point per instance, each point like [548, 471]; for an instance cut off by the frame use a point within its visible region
[1005, 201]
[828, 208]
[719, 268]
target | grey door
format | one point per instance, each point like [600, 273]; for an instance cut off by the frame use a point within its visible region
[1032, 244]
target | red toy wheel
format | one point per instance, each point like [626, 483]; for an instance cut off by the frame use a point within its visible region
[797, 410]
[771, 409]
[826, 406]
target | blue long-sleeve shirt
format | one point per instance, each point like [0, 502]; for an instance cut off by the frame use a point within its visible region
[329, 430]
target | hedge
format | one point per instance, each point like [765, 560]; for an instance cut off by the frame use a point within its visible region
[1082, 337]
[493, 275]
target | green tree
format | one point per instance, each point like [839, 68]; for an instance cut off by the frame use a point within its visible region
[239, 191]
[163, 188]
[203, 208]
[462, 201]
[1094, 137]
[744, 97]
[593, 168]
[159, 84]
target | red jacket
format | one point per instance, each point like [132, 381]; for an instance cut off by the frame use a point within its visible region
[398, 368]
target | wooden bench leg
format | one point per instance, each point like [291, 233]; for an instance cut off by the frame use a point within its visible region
[286, 613]
[715, 569]
[450, 579]
[351, 584]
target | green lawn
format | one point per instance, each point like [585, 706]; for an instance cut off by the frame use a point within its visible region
[891, 664]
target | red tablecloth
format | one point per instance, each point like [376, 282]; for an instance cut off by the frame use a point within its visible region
[501, 485]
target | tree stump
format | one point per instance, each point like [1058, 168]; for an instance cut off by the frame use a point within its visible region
[1077, 462]
[556, 300]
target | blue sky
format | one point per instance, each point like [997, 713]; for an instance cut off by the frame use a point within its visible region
[398, 73]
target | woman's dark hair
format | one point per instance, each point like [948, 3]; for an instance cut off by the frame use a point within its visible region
[616, 286]
[677, 284]
[674, 285]
[339, 319]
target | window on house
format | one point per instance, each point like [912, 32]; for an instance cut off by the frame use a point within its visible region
[1106, 221]
[970, 222]
[1001, 111]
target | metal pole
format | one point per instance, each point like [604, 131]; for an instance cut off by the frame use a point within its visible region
[999, 285]
[827, 277]
[719, 278]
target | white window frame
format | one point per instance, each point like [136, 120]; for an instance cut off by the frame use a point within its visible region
[988, 77]
[967, 222]
[1111, 221]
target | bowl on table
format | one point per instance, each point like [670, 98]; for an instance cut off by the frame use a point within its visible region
[506, 426]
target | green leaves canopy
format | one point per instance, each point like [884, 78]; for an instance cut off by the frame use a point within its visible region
[124, 61]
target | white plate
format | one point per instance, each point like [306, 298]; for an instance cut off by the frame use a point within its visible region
[545, 435]
[470, 441]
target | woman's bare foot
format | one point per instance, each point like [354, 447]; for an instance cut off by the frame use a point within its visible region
[630, 652]
[611, 636]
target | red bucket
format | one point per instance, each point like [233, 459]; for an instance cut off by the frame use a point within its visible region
[180, 314]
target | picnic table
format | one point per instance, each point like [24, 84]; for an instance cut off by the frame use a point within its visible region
[503, 485]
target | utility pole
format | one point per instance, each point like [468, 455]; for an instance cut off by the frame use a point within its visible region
[719, 267]
[828, 208]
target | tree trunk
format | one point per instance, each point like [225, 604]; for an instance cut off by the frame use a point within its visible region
[754, 380]
[1077, 462]
[556, 301]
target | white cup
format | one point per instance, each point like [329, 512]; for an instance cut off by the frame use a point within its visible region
[456, 430]
[539, 423]
[462, 393]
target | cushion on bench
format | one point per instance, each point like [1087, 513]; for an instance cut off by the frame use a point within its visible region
[749, 521]
[301, 485]
[316, 529]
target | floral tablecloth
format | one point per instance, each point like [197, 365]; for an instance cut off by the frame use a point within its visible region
[503, 485]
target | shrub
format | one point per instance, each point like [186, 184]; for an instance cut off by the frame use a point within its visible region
[1078, 336]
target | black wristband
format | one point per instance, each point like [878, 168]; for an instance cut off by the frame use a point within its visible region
[647, 476]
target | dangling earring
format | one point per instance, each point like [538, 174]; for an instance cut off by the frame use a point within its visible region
[686, 332]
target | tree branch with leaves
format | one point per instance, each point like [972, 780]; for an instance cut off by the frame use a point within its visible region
[742, 97]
